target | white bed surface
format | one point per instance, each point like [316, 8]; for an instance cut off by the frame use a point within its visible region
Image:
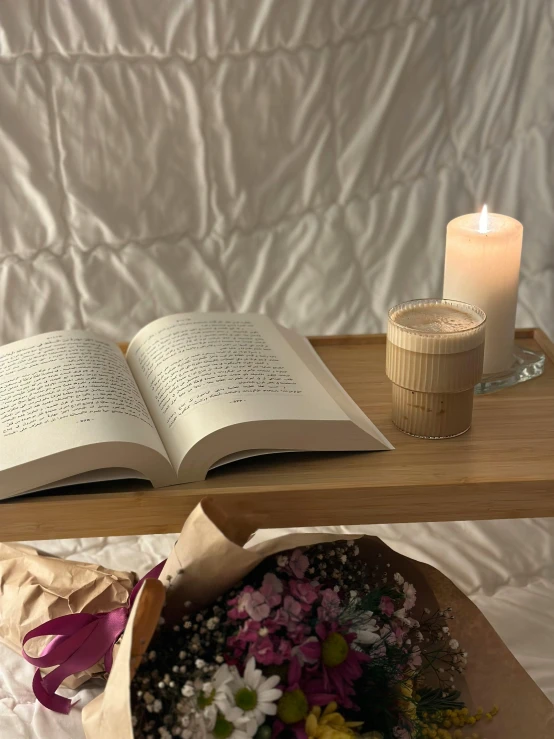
[506, 567]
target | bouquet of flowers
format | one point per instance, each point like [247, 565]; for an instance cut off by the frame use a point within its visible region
[234, 636]
[316, 643]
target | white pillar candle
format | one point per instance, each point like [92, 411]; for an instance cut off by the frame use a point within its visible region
[483, 254]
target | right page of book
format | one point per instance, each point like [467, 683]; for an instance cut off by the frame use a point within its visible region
[202, 372]
[305, 351]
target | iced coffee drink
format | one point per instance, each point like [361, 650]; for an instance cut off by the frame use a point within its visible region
[434, 360]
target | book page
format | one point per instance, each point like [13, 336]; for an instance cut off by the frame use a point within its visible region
[201, 372]
[112, 474]
[303, 348]
[67, 390]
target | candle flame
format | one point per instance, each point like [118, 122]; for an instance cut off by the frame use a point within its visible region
[484, 221]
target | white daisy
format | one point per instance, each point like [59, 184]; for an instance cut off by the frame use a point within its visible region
[214, 697]
[254, 696]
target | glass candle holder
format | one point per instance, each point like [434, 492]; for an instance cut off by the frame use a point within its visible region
[435, 352]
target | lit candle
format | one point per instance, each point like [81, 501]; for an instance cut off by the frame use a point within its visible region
[483, 254]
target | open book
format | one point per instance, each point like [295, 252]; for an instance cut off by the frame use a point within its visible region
[194, 391]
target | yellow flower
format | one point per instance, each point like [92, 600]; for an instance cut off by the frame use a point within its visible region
[406, 701]
[329, 724]
[441, 724]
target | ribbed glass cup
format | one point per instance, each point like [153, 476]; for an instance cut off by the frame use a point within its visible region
[434, 360]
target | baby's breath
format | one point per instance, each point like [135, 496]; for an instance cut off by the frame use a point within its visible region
[175, 670]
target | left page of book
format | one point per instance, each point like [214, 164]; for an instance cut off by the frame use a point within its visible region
[68, 405]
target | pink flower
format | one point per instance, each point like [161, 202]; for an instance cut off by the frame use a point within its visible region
[267, 650]
[263, 651]
[283, 652]
[393, 636]
[298, 563]
[304, 592]
[239, 611]
[256, 606]
[272, 582]
[320, 683]
[293, 608]
[271, 589]
[290, 613]
[294, 674]
[329, 609]
[321, 693]
[340, 678]
[399, 733]
[249, 631]
[298, 678]
[386, 605]
[297, 632]
[248, 635]
[251, 603]
[310, 651]
[313, 689]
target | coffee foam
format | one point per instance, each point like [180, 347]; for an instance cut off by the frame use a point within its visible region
[435, 327]
[436, 319]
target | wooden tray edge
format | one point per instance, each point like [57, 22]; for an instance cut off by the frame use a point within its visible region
[535, 334]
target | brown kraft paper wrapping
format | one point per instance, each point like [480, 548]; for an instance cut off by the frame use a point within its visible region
[212, 554]
[36, 588]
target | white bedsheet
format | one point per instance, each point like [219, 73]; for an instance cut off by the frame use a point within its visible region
[295, 157]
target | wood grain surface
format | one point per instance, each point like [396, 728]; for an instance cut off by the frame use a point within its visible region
[502, 468]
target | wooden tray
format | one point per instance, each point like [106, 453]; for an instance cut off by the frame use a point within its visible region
[502, 468]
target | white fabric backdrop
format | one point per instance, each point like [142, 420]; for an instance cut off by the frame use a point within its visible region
[299, 158]
[294, 157]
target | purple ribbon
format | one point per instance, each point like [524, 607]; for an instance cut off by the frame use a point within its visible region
[81, 640]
